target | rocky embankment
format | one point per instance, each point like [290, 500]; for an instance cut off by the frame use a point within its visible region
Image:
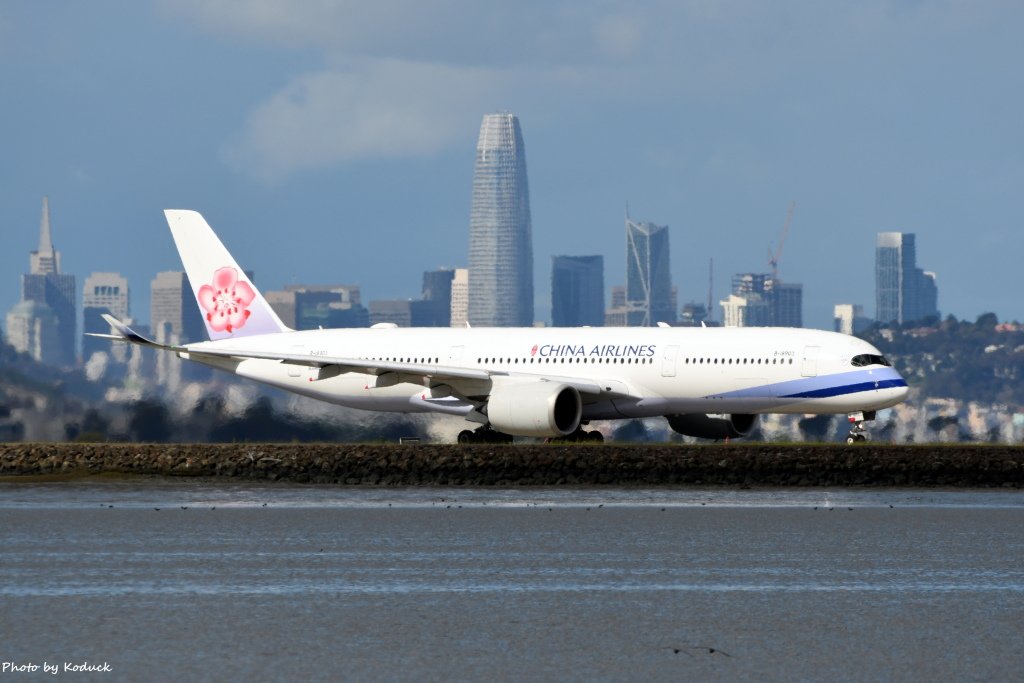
[533, 465]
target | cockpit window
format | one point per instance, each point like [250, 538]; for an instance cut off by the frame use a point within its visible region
[869, 359]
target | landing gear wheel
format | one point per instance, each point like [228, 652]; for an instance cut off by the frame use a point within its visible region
[483, 435]
[595, 437]
[858, 433]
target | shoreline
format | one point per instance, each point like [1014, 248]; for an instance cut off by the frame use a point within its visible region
[736, 464]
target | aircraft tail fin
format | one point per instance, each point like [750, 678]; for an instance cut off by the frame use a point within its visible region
[231, 305]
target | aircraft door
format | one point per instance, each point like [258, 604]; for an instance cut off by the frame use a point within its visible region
[668, 361]
[455, 356]
[810, 361]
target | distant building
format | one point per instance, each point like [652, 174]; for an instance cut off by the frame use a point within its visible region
[460, 297]
[648, 272]
[850, 319]
[391, 311]
[750, 310]
[622, 313]
[102, 293]
[903, 292]
[759, 300]
[577, 291]
[500, 241]
[45, 284]
[173, 311]
[311, 307]
[694, 315]
[787, 300]
[175, 318]
[283, 304]
[435, 308]
[33, 328]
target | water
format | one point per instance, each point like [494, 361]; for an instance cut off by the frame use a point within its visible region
[271, 582]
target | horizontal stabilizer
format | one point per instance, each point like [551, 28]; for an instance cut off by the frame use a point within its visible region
[125, 333]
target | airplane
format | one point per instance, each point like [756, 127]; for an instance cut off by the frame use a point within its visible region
[708, 382]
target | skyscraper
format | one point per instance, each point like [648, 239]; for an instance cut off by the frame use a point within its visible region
[577, 291]
[648, 276]
[500, 243]
[435, 309]
[903, 292]
[761, 300]
[46, 285]
[102, 293]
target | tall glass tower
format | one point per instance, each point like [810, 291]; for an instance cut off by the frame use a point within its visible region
[903, 292]
[577, 291]
[500, 245]
[648, 278]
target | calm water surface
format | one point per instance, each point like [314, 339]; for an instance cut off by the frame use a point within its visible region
[165, 580]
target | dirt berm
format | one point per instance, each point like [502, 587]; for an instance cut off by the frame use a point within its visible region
[534, 465]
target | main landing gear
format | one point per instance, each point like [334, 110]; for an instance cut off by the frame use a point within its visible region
[858, 432]
[579, 436]
[483, 435]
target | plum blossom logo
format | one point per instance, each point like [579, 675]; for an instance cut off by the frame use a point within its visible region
[533, 351]
[226, 301]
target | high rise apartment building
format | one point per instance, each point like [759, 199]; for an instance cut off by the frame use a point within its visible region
[903, 292]
[577, 291]
[500, 242]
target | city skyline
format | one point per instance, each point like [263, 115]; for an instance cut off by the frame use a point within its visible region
[336, 152]
[757, 299]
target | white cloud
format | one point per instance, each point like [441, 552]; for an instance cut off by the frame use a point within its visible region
[382, 109]
[407, 78]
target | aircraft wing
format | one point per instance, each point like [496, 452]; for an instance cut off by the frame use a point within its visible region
[435, 374]
[332, 366]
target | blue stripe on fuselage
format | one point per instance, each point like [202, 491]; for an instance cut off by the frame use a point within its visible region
[826, 392]
[823, 386]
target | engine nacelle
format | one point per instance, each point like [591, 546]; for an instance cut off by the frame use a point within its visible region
[712, 426]
[535, 409]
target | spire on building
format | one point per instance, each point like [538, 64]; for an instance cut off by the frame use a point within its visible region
[45, 260]
[45, 240]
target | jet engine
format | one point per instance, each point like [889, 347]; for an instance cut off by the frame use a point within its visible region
[535, 409]
[712, 426]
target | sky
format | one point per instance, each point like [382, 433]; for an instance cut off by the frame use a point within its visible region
[333, 141]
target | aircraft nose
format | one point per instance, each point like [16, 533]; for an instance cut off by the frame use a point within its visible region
[900, 393]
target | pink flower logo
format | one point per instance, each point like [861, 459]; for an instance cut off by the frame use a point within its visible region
[226, 301]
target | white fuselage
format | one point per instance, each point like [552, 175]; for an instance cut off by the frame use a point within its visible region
[643, 372]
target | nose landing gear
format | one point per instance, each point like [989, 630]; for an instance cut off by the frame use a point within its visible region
[858, 432]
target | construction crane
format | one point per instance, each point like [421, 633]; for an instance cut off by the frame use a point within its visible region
[773, 257]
